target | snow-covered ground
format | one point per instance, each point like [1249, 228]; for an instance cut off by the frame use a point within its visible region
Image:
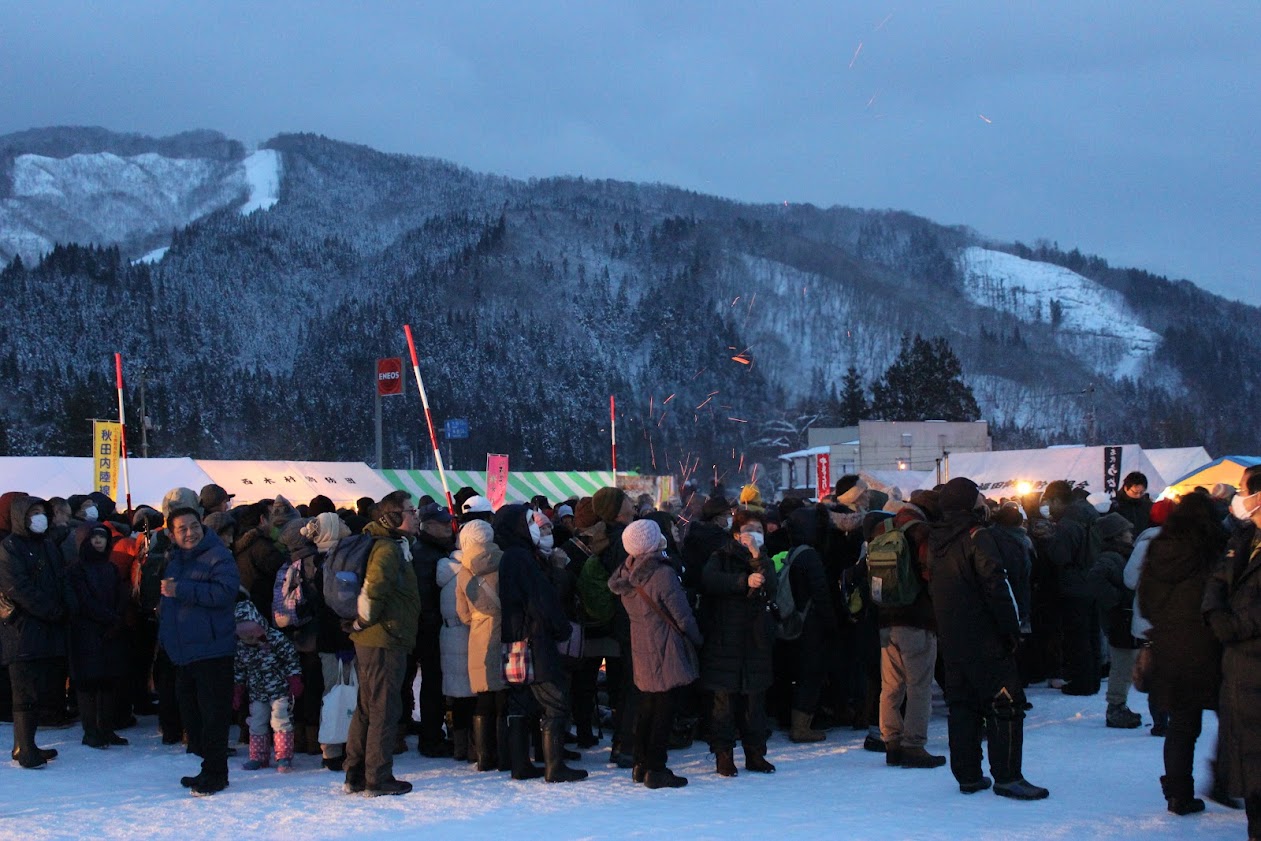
[1103, 786]
[1095, 322]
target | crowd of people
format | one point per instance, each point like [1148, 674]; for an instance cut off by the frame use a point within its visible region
[534, 626]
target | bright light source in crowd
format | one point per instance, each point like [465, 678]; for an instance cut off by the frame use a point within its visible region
[901, 464]
[1023, 488]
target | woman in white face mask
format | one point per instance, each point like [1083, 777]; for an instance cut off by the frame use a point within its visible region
[738, 594]
[1232, 602]
[32, 590]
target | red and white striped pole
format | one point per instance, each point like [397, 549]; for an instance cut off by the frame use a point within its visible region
[613, 432]
[122, 425]
[424, 400]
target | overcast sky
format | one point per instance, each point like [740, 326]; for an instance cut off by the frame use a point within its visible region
[1127, 128]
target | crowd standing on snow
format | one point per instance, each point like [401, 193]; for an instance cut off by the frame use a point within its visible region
[309, 627]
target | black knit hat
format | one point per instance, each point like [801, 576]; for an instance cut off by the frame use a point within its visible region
[716, 506]
[959, 494]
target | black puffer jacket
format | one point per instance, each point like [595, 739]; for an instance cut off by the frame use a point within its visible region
[257, 561]
[739, 628]
[976, 612]
[702, 541]
[427, 551]
[32, 578]
[529, 604]
[1115, 600]
[1186, 656]
[1234, 593]
[1137, 511]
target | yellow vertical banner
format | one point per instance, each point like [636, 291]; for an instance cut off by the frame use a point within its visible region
[107, 439]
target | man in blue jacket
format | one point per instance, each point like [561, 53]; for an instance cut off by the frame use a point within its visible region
[198, 632]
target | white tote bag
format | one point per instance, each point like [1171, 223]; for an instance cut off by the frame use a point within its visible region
[339, 707]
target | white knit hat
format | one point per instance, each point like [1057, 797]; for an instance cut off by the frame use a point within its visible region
[474, 534]
[642, 537]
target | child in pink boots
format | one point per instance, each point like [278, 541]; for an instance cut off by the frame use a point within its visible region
[267, 668]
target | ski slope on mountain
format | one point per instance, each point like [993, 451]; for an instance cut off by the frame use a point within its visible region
[1103, 786]
[1093, 321]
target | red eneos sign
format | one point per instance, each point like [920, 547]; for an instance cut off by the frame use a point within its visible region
[389, 376]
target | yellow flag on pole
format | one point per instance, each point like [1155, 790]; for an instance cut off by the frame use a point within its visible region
[107, 439]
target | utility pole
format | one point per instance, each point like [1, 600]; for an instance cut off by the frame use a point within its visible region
[1090, 415]
[144, 417]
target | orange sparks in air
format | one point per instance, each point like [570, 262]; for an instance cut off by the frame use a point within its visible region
[667, 400]
[743, 360]
[738, 420]
[880, 25]
[985, 118]
[706, 400]
[737, 298]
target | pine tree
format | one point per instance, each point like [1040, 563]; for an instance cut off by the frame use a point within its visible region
[853, 403]
[925, 383]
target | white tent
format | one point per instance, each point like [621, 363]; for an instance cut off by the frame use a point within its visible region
[1009, 472]
[48, 476]
[903, 481]
[1172, 463]
[297, 481]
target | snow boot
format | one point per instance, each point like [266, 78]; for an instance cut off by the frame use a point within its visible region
[874, 744]
[755, 760]
[664, 779]
[24, 749]
[1122, 717]
[1021, 789]
[973, 786]
[519, 749]
[106, 719]
[459, 743]
[801, 731]
[390, 786]
[639, 773]
[284, 751]
[1180, 795]
[554, 755]
[920, 758]
[258, 753]
[725, 763]
[503, 754]
[209, 786]
[484, 742]
[892, 754]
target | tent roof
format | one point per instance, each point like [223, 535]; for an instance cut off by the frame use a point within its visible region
[1226, 469]
[904, 480]
[49, 476]
[1000, 472]
[298, 481]
[521, 486]
[1173, 462]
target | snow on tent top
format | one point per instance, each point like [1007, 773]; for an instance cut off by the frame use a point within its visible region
[49, 476]
[555, 485]
[298, 481]
[1173, 462]
[1010, 472]
[1227, 470]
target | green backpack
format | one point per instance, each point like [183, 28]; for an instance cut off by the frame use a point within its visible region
[595, 598]
[892, 573]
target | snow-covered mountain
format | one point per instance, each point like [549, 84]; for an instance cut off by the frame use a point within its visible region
[133, 201]
[257, 289]
[1094, 322]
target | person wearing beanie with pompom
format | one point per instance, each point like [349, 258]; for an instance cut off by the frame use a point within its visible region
[978, 630]
[664, 640]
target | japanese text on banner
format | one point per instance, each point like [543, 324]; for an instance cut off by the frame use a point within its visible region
[496, 479]
[107, 447]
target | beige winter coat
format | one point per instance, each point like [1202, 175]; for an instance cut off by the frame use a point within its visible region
[477, 603]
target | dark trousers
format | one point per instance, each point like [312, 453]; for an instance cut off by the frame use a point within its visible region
[34, 683]
[306, 709]
[142, 644]
[170, 721]
[654, 718]
[492, 704]
[583, 683]
[432, 704]
[205, 699]
[623, 695]
[1083, 645]
[462, 712]
[6, 695]
[741, 714]
[1180, 738]
[374, 727]
[986, 702]
[553, 700]
[1252, 805]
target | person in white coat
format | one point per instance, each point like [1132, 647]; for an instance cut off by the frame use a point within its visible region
[453, 643]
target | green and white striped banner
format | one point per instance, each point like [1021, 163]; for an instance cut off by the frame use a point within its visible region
[556, 486]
